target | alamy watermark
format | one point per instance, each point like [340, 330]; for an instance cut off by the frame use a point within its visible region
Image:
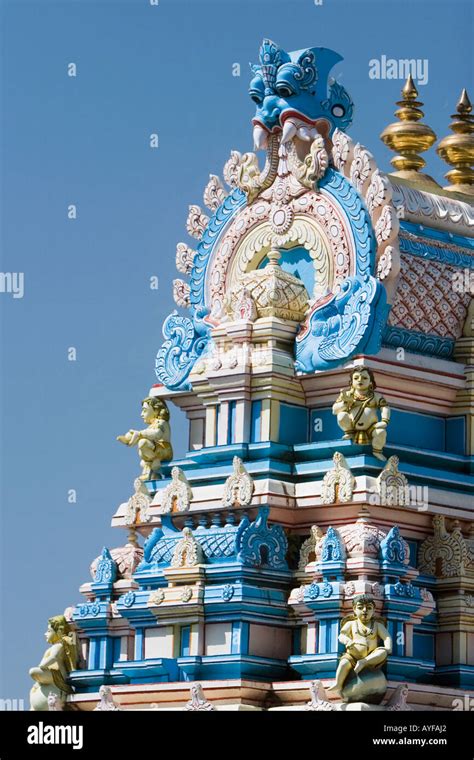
[43, 733]
[463, 281]
[12, 704]
[400, 496]
[399, 68]
[12, 283]
[466, 703]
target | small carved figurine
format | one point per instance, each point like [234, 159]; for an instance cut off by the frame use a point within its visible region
[198, 701]
[357, 408]
[106, 701]
[154, 442]
[55, 704]
[51, 674]
[360, 634]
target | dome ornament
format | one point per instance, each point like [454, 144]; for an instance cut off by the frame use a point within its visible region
[275, 293]
[409, 137]
[458, 149]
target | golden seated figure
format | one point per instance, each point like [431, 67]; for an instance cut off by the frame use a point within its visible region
[154, 442]
[357, 408]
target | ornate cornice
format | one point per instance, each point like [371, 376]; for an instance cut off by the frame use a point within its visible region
[434, 210]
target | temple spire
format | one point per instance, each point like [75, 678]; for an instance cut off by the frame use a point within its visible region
[409, 137]
[458, 149]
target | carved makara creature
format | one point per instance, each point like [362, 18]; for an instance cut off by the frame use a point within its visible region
[291, 93]
[154, 442]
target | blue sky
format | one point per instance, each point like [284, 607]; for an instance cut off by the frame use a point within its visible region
[141, 69]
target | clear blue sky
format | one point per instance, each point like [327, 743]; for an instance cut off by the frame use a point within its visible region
[85, 141]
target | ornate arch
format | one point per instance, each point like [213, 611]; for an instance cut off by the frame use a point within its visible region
[338, 206]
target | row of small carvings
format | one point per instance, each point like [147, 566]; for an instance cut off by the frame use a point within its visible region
[198, 701]
[256, 544]
[337, 486]
[177, 595]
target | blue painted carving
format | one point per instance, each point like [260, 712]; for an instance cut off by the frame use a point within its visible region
[422, 248]
[349, 322]
[333, 549]
[326, 589]
[393, 549]
[405, 589]
[128, 599]
[418, 343]
[87, 610]
[106, 571]
[224, 214]
[182, 347]
[217, 542]
[186, 338]
[352, 207]
[313, 591]
[296, 84]
[159, 547]
[352, 320]
[260, 545]
[227, 592]
[340, 106]
[289, 84]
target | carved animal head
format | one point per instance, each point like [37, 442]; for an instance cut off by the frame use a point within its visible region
[293, 94]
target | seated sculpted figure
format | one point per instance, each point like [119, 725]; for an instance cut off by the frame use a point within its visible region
[51, 674]
[153, 442]
[357, 410]
[360, 635]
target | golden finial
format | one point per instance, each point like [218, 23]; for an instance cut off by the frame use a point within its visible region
[409, 136]
[458, 149]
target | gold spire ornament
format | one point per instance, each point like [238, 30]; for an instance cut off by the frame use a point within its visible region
[408, 136]
[458, 149]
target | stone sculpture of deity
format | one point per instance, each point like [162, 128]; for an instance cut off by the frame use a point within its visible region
[357, 409]
[59, 659]
[359, 676]
[154, 442]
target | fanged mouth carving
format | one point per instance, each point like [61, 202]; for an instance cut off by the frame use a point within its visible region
[291, 126]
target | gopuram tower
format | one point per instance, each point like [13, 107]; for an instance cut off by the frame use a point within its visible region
[314, 548]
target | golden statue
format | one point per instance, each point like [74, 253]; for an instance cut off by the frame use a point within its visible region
[58, 661]
[153, 442]
[360, 634]
[356, 408]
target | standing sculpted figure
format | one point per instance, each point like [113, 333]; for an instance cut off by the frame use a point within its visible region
[357, 410]
[59, 659]
[154, 442]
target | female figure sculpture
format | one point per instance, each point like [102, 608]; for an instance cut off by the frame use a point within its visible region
[51, 675]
